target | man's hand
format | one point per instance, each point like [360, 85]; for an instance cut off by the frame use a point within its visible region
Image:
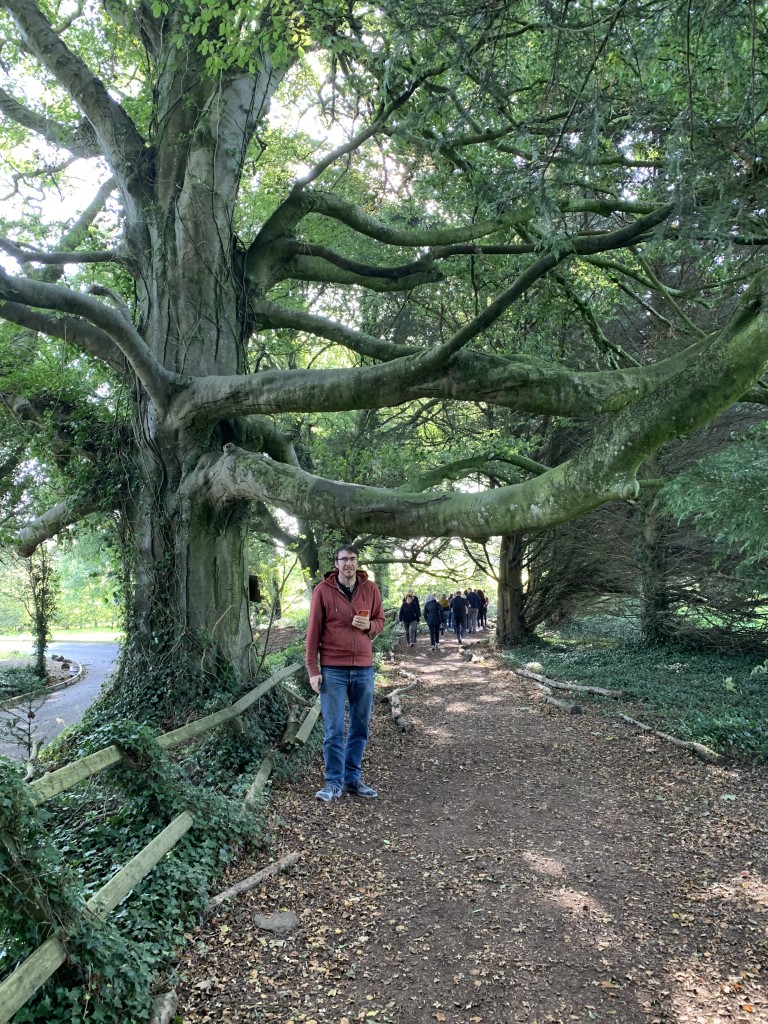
[314, 682]
[362, 622]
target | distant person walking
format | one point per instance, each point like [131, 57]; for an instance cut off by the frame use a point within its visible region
[459, 609]
[345, 615]
[473, 607]
[409, 616]
[433, 615]
[445, 612]
[482, 611]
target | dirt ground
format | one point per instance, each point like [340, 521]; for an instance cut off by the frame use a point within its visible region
[520, 864]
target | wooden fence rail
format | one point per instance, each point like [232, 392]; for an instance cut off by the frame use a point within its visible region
[27, 978]
[37, 969]
[70, 775]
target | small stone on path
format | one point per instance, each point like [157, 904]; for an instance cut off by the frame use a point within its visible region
[281, 923]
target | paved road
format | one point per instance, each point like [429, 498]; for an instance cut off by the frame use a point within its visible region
[65, 707]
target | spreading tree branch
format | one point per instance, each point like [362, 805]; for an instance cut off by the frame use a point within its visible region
[73, 330]
[330, 205]
[304, 268]
[521, 383]
[56, 258]
[544, 501]
[270, 315]
[64, 514]
[604, 470]
[285, 219]
[491, 464]
[579, 245]
[118, 136]
[290, 247]
[59, 135]
[152, 374]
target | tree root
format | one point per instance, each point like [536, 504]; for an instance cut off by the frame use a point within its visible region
[393, 697]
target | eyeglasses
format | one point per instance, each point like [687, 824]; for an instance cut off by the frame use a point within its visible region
[346, 559]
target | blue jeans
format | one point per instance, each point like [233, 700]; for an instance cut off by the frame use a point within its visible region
[344, 758]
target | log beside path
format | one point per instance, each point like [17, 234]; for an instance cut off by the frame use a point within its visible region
[255, 879]
[393, 699]
[554, 684]
[699, 749]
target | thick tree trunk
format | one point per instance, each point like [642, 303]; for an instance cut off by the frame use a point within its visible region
[510, 615]
[655, 609]
[190, 618]
[189, 627]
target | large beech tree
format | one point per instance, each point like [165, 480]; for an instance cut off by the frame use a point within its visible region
[481, 165]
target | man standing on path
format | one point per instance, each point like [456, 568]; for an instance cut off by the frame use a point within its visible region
[345, 615]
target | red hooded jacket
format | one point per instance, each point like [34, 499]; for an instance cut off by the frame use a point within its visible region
[331, 637]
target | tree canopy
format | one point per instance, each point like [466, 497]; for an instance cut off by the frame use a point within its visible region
[451, 220]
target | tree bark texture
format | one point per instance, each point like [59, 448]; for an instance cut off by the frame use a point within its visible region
[655, 609]
[510, 596]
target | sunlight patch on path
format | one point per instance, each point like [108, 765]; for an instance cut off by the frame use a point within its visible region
[544, 865]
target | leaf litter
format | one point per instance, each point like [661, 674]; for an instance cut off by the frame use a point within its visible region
[519, 865]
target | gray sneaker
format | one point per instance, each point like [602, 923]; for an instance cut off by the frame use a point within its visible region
[330, 791]
[359, 788]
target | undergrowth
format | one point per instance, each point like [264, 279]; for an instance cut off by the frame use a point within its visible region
[60, 854]
[14, 681]
[718, 699]
[63, 852]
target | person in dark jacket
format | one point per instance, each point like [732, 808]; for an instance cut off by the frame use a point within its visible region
[445, 612]
[473, 607]
[459, 609]
[449, 623]
[345, 614]
[433, 615]
[482, 621]
[409, 616]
